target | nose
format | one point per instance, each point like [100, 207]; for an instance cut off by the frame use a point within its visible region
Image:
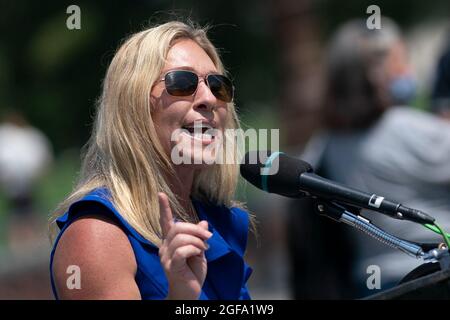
[204, 98]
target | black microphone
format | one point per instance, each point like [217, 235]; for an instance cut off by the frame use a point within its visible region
[284, 175]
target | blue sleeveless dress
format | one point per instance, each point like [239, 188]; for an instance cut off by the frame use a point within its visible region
[227, 273]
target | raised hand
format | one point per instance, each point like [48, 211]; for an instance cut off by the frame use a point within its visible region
[182, 253]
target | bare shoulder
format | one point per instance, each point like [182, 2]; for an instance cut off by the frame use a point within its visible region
[101, 252]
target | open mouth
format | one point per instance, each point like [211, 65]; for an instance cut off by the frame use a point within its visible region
[200, 131]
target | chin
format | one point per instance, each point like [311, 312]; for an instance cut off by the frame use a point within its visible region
[201, 158]
[196, 152]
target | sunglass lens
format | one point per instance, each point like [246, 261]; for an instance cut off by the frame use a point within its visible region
[221, 87]
[181, 83]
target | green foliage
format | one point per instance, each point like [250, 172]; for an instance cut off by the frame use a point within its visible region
[58, 183]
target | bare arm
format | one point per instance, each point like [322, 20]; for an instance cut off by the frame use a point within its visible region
[105, 257]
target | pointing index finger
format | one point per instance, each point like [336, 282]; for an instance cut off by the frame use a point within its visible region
[165, 214]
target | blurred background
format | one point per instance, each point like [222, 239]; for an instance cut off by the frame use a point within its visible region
[279, 53]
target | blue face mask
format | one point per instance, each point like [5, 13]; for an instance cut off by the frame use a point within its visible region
[403, 89]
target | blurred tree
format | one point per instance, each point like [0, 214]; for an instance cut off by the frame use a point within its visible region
[297, 29]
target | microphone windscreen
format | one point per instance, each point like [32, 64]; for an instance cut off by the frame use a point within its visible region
[274, 172]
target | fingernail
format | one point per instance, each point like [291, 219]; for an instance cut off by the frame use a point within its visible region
[207, 246]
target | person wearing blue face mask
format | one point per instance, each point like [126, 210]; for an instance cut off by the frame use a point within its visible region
[372, 140]
[403, 89]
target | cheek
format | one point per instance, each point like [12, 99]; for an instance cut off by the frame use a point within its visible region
[166, 122]
[165, 125]
[223, 116]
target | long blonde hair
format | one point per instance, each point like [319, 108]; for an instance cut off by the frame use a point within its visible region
[124, 153]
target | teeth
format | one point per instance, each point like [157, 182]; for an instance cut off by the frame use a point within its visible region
[199, 130]
[200, 135]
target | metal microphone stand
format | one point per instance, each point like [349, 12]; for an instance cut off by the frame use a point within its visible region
[340, 213]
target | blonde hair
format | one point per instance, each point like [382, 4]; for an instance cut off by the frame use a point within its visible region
[124, 153]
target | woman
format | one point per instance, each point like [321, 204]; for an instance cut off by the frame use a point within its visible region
[138, 226]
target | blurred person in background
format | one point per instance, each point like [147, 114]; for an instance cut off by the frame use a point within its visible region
[25, 156]
[374, 141]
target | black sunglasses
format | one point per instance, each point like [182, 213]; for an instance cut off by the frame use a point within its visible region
[181, 83]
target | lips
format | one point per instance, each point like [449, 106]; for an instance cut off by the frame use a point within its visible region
[200, 130]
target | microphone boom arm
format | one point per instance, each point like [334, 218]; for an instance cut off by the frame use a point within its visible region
[339, 213]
